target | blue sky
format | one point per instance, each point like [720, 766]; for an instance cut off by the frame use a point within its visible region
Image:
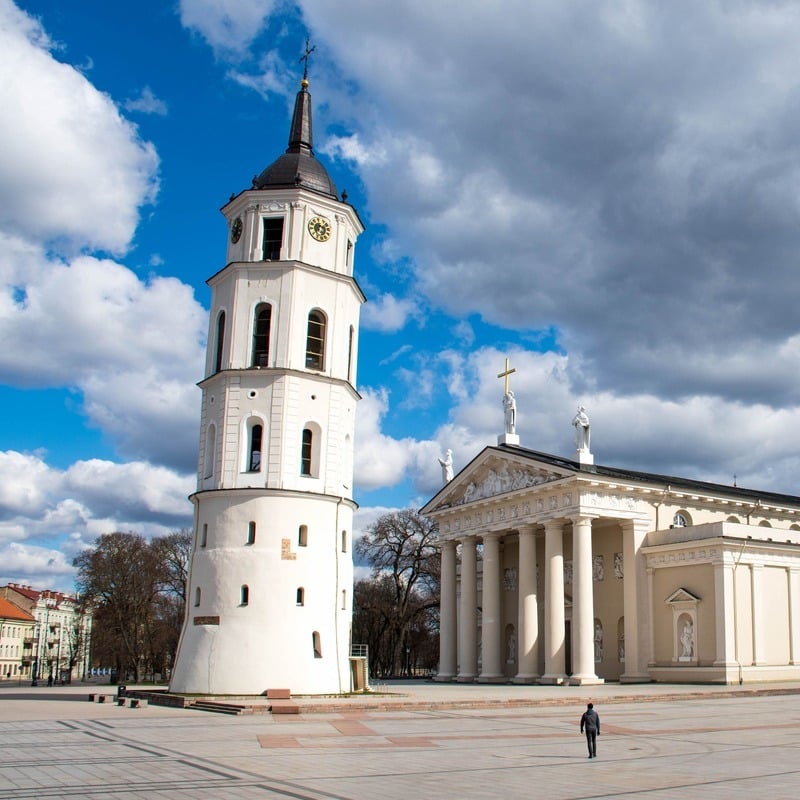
[606, 194]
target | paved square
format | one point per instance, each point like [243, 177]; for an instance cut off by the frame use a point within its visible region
[58, 745]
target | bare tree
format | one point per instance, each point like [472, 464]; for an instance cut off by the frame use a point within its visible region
[122, 576]
[403, 595]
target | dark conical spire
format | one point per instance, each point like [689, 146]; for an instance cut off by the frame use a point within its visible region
[298, 167]
[300, 135]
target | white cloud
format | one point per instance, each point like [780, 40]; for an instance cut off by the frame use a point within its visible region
[58, 131]
[387, 313]
[36, 566]
[229, 26]
[43, 499]
[624, 173]
[147, 103]
[132, 348]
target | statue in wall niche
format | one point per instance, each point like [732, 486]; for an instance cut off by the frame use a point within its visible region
[510, 411]
[598, 642]
[512, 647]
[598, 568]
[447, 467]
[582, 433]
[619, 569]
[687, 639]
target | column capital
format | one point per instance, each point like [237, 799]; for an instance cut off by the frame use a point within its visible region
[492, 535]
[529, 527]
[448, 543]
[554, 526]
[636, 525]
[579, 518]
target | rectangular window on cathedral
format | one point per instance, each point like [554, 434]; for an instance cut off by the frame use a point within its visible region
[273, 238]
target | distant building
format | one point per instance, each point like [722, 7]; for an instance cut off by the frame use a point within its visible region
[16, 639]
[59, 643]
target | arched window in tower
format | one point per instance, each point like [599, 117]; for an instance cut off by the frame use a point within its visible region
[317, 644]
[344, 541]
[220, 341]
[302, 536]
[306, 452]
[251, 532]
[210, 455]
[254, 452]
[197, 597]
[204, 535]
[301, 596]
[273, 238]
[261, 329]
[315, 340]
[244, 595]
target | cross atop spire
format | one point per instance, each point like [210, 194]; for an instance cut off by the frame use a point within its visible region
[308, 51]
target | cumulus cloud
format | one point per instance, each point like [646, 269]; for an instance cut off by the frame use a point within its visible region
[47, 515]
[132, 348]
[59, 131]
[387, 313]
[625, 172]
[229, 26]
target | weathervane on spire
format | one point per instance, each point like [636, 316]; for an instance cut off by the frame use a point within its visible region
[304, 57]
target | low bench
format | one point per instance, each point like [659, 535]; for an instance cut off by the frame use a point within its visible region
[137, 702]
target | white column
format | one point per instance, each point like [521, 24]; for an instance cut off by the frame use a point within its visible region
[724, 598]
[794, 616]
[468, 620]
[636, 600]
[491, 622]
[447, 614]
[651, 644]
[757, 612]
[582, 604]
[528, 612]
[554, 645]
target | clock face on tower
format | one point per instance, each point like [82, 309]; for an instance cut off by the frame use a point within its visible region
[319, 228]
[236, 230]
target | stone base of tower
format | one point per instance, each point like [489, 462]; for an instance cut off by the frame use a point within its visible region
[274, 612]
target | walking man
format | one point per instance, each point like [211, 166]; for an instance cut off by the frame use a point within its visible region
[590, 722]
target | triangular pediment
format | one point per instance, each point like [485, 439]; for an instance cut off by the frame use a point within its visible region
[682, 596]
[493, 473]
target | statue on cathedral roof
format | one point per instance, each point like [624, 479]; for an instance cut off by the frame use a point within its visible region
[582, 432]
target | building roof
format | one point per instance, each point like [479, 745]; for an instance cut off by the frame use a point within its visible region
[298, 167]
[703, 487]
[34, 595]
[10, 611]
[650, 480]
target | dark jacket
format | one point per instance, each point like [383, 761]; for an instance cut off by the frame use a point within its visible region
[591, 720]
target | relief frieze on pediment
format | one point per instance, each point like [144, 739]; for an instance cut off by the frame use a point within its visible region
[499, 481]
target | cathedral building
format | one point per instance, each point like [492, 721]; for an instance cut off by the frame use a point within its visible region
[556, 570]
[269, 603]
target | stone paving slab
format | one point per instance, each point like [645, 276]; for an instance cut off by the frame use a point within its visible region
[655, 745]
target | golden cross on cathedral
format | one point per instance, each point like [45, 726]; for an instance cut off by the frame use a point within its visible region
[508, 371]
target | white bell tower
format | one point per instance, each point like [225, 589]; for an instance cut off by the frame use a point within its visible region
[269, 603]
